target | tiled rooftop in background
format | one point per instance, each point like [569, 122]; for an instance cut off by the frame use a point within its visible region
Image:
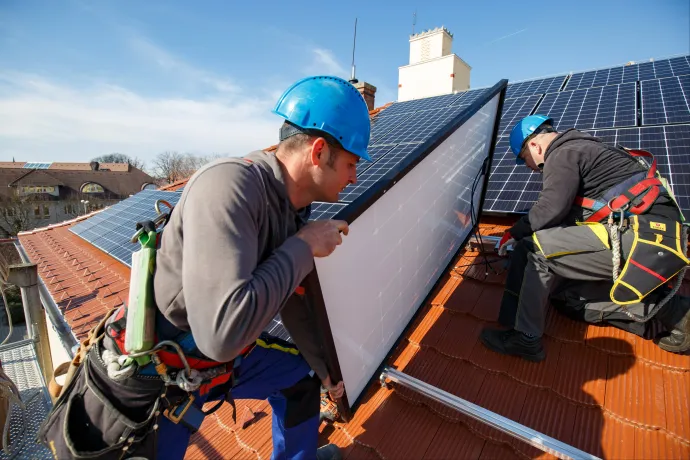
[600, 389]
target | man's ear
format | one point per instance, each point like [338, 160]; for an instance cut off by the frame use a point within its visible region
[317, 150]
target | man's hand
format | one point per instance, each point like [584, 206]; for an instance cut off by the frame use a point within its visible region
[323, 236]
[334, 391]
[506, 241]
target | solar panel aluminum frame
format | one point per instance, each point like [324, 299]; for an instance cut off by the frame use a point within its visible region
[350, 213]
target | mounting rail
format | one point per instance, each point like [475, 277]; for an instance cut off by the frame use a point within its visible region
[507, 426]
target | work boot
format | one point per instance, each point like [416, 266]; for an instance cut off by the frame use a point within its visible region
[328, 452]
[512, 342]
[675, 316]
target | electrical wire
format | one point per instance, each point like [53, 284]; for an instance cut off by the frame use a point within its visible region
[475, 223]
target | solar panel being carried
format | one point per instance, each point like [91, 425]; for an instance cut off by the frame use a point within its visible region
[645, 105]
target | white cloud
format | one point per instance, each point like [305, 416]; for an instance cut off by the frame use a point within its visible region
[43, 120]
[324, 62]
[150, 51]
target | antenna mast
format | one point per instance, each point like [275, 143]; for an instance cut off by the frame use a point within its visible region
[414, 20]
[354, 43]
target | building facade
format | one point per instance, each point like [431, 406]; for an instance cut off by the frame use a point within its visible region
[40, 194]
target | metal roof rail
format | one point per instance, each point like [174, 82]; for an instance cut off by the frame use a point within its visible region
[503, 424]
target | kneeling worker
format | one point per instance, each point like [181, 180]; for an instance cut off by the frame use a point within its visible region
[600, 207]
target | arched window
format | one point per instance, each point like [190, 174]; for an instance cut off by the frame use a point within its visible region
[91, 187]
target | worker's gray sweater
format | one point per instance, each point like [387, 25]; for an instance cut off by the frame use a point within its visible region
[229, 260]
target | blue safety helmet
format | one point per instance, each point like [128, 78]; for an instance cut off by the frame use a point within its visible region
[325, 104]
[522, 130]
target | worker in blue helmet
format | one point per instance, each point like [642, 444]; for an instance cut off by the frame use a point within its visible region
[576, 247]
[230, 298]
[242, 230]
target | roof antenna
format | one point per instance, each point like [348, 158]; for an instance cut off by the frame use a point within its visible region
[354, 43]
[414, 20]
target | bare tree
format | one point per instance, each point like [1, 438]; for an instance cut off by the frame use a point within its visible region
[16, 213]
[121, 158]
[175, 166]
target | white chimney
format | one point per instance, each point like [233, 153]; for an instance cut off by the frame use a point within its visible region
[433, 69]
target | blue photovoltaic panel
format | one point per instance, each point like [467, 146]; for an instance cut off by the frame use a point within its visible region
[666, 100]
[512, 188]
[111, 229]
[602, 107]
[376, 171]
[322, 211]
[380, 126]
[419, 127]
[595, 78]
[658, 69]
[37, 165]
[514, 109]
[541, 86]
[671, 147]
[431, 103]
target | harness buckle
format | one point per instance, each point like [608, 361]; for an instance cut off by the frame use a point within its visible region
[176, 413]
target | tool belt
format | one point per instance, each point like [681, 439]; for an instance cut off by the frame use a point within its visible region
[657, 255]
[98, 416]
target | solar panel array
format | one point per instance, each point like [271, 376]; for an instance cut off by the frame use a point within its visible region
[37, 165]
[110, 230]
[645, 105]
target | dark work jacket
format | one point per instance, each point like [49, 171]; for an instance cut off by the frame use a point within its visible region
[578, 164]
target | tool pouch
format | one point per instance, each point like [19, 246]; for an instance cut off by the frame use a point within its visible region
[98, 417]
[657, 255]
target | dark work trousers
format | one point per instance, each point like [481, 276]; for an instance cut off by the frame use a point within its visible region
[573, 265]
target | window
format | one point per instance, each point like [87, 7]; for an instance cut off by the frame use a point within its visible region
[41, 211]
[70, 209]
[91, 187]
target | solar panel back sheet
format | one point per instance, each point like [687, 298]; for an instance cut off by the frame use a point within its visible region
[405, 227]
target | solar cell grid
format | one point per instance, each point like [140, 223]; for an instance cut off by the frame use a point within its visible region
[376, 172]
[601, 107]
[111, 229]
[540, 86]
[515, 109]
[666, 100]
[322, 211]
[430, 103]
[419, 127]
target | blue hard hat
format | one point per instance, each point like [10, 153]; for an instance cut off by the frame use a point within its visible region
[522, 131]
[331, 105]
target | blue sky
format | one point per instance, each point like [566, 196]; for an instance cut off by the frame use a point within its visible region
[83, 78]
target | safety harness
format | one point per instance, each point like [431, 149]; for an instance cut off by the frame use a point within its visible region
[658, 251]
[636, 195]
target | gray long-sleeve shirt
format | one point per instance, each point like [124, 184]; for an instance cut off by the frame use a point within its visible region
[229, 260]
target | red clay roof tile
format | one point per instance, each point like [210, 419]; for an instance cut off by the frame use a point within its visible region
[581, 374]
[635, 392]
[677, 400]
[453, 440]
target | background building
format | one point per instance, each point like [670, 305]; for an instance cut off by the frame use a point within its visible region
[39, 194]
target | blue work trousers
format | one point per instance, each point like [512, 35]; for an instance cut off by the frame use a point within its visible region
[262, 374]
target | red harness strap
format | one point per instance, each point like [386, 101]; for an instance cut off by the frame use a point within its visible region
[650, 184]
